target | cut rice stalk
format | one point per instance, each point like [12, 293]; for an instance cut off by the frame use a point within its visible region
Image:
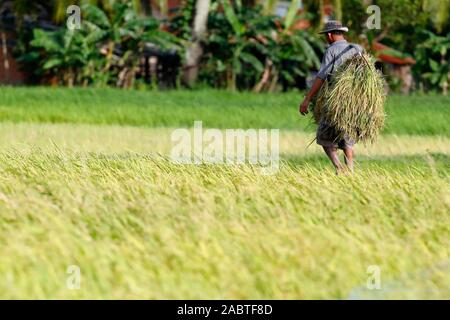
[354, 100]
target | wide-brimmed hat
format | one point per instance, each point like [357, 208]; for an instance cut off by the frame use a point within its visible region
[333, 25]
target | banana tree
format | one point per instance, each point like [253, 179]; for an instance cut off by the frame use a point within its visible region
[65, 54]
[112, 28]
[290, 55]
[194, 50]
[231, 50]
[125, 32]
[60, 6]
[439, 12]
[247, 49]
[75, 57]
[317, 9]
[432, 60]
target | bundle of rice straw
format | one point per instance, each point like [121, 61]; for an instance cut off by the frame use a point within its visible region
[354, 100]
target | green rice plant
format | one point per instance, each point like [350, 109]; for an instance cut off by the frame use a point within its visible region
[106, 199]
[353, 101]
[139, 226]
[406, 115]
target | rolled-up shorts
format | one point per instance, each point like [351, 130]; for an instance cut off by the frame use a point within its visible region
[328, 136]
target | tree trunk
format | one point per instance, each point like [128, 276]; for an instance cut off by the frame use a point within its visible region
[265, 77]
[70, 77]
[5, 56]
[445, 84]
[109, 56]
[231, 78]
[194, 50]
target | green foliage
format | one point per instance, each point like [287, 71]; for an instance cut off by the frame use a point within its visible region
[105, 51]
[67, 55]
[407, 26]
[432, 56]
[124, 30]
[246, 46]
[439, 13]
[315, 9]
[246, 49]
[414, 115]
[403, 21]
[353, 15]
[181, 25]
[232, 43]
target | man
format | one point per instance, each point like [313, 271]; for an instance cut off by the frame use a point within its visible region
[338, 51]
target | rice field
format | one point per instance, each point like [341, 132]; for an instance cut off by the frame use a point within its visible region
[102, 195]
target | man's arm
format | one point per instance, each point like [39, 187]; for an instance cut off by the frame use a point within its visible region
[320, 79]
[312, 92]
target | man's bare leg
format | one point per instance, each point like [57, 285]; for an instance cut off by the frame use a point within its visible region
[333, 155]
[348, 154]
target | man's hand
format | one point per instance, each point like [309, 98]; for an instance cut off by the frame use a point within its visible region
[304, 107]
[314, 89]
